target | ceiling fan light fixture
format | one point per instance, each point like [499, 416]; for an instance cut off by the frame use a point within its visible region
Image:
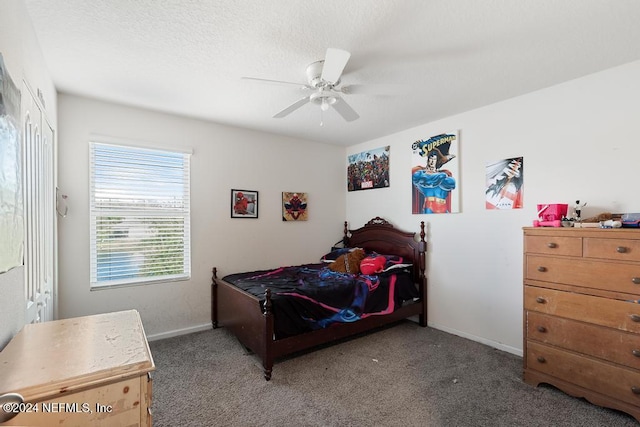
[323, 99]
[326, 102]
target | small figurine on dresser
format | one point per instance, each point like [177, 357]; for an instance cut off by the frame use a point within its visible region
[577, 210]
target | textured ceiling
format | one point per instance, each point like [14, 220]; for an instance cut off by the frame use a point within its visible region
[420, 60]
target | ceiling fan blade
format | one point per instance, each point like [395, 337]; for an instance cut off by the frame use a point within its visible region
[280, 82]
[291, 108]
[334, 62]
[345, 110]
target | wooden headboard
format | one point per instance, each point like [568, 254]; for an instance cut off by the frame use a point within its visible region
[380, 236]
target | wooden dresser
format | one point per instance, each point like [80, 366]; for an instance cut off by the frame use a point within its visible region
[85, 371]
[582, 314]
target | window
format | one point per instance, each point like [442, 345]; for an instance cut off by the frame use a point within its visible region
[140, 229]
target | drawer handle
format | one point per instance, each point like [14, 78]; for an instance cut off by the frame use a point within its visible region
[636, 280]
[635, 317]
[621, 249]
[635, 389]
[551, 245]
[635, 352]
[542, 329]
[542, 269]
[543, 360]
[541, 300]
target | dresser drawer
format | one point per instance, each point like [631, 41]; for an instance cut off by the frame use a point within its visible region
[553, 245]
[615, 249]
[609, 276]
[612, 313]
[597, 341]
[611, 380]
[116, 404]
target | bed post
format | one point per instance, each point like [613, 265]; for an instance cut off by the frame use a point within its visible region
[345, 235]
[422, 247]
[214, 297]
[267, 362]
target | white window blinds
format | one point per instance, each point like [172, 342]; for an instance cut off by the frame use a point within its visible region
[140, 230]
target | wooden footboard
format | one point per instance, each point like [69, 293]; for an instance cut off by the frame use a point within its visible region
[243, 315]
[253, 324]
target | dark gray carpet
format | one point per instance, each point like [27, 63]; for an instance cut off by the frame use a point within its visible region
[404, 375]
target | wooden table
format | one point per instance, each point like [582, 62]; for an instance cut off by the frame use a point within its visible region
[92, 370]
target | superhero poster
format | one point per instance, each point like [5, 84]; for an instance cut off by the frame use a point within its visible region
[435, 174]
[504, 184]
[244, 204]
[294, 206]
[368, 170]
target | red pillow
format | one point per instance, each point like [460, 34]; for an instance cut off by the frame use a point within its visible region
[372, 265]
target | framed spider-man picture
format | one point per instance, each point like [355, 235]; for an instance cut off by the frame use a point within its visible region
[294, 206]
[244, 204]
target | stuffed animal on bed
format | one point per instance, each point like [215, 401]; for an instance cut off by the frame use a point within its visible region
[372, 264]
[349, 262]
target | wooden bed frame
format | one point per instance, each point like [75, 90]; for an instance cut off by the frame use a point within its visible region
[253, 325]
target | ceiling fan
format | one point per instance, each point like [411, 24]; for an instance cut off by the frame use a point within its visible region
[323, 79]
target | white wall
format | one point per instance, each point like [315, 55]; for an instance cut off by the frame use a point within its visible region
[24, 62]
[224, 158]
[580, 140]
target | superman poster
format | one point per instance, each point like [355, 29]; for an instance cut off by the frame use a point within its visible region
[435, 174]
[504, 187]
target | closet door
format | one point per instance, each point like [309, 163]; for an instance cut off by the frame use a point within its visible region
[39, 198]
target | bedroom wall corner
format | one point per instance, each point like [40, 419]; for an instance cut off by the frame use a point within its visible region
[578, 140]
[224, 158]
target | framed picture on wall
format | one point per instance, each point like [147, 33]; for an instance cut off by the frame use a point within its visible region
[244, 204]
[294, 206]
[435, 174]
[368, 170]
[504, 186]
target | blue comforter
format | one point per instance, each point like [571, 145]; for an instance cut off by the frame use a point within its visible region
[310, 296]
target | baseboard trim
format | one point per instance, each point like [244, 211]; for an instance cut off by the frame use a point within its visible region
[481, 340]
[178, 332]
[490, 343]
